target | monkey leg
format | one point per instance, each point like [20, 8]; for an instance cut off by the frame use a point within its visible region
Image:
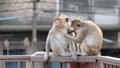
[84, 49]
[89, 50]
[94, 51]
[78, 47]
[60, 51]
[59, 47]
[73, 50]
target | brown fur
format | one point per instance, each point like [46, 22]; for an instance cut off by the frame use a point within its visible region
[89, 36]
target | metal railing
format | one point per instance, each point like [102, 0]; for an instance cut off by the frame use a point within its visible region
[13, 61]
[83, 61]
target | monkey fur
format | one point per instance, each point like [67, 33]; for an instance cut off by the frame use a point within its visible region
[56, 40]
[88, 35]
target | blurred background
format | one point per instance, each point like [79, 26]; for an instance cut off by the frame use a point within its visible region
[24, 24]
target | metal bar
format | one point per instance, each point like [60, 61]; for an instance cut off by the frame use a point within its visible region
[110, 66]
[57, 7]
[18, 64]
[119, 11]
[3, 65]
[90, 9]
[93, 65]
[14, 58]
[114, 66]
[101, 65]
[64, 59]
[47, 64]
[107, 66]
[109, 62]
[33, 64]
[61, 65]
[34, 31]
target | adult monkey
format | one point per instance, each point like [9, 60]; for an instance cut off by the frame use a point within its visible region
[56, 40]
[89, 36]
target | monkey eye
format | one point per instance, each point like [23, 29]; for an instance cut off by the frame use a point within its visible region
[67, 19]
[78, 25]
[57, 19]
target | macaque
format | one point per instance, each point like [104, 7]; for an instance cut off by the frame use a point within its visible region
[56, 40]
[76, 45]
[88, 35]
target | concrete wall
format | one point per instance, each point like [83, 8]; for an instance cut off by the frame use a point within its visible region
[15, 8]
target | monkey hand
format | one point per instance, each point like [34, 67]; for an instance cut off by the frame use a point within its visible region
[66, 35]
[74, 58]
[46, 57]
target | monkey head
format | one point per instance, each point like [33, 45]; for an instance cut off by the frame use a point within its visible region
[61, 20]
[69, 31]
[77, 23]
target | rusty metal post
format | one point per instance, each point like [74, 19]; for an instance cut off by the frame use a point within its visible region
[33, 64]
[119, 11]
[90, 10]
[47, 64]
[18, 64]
[34, 31]
[26, 43]
[7, 44]
[61, 65]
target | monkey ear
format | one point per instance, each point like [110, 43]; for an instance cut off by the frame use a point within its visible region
[67, 19]
[78, 25]
[80, 18]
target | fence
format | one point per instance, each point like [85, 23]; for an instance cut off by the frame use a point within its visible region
[83, 61]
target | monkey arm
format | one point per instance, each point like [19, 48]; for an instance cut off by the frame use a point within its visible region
[79, 38]
[71, 38]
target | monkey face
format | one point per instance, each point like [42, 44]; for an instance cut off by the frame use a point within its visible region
[61, 20]
[76, 24]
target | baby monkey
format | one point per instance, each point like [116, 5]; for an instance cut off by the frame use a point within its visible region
[88, 35]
